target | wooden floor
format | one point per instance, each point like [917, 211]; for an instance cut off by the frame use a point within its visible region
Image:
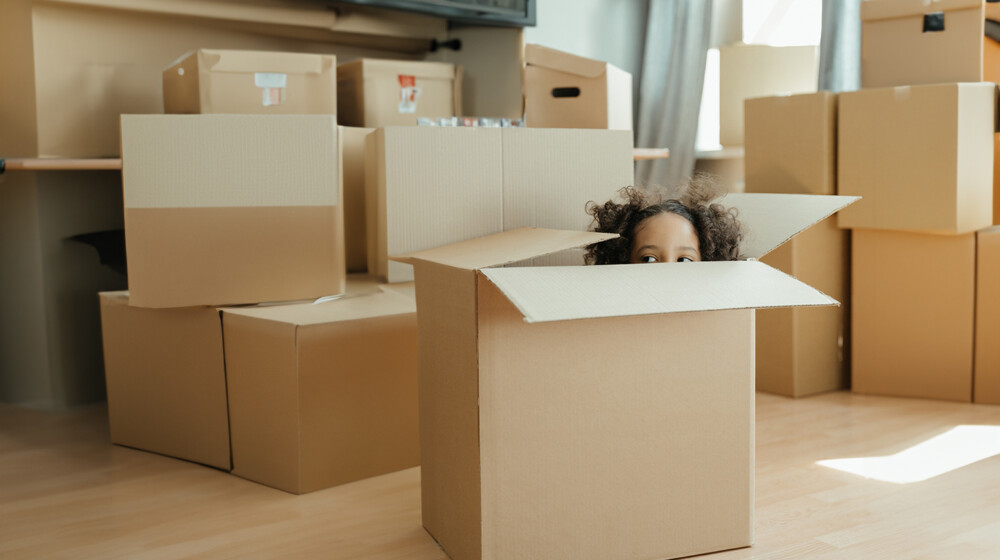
[66, 492]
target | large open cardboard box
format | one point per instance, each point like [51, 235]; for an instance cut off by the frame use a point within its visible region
[229, 209]
[593, 412]
[375, 93]
[921, 157]
[562, 90]
[923, 324]
[910, 42]
[323, 394]
[251, 82]
[166, 380]
[430, 186]
[747, 71]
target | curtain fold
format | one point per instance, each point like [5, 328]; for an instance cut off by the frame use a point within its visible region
[670, 87]
[840, 46]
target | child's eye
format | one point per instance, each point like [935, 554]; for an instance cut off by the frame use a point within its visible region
[647, 259]
[685, 259]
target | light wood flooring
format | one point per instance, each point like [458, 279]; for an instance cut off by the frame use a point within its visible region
[66, 492]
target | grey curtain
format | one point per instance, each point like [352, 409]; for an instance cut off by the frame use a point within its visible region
[670, 84]
[840, 46]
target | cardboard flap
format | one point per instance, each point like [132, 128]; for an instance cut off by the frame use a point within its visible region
[537, 55]
[581, 292]
[266, 61]
[504, 248]
[872, 10]
[769, 220]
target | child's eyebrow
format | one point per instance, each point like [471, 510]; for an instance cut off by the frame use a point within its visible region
[644, 247]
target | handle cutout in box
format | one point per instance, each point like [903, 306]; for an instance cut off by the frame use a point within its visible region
[933, 22]
[566, 92]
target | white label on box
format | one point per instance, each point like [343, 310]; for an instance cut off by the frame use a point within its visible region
[408, 94]
[270, 79]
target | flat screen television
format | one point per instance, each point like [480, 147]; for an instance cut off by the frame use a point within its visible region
[507, 13]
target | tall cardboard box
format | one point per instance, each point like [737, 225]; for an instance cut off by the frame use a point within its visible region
[227, 209]
[907, 42]
[553, 402]
[791, 143]
[920, 157]
[323, 394]
[913, 316]
[747, 71]
[375, 93]
[352, 149]
[251, 82]
[166, 380]
[986, 378]
[562, 90]
[430, 186]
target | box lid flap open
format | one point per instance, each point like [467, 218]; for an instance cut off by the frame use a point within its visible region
[561, 293]
[769, 220]
[537, 55]
[504, 248]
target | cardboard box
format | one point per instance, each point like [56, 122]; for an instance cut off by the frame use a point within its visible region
[913, 314]
[921, 157]
[374, 93]
[791, 144]
[352, 149]
[251, 82]
[910, 42]
[747, 71]
[225, 209]
[562, 90]
[323, 394]
[986, 377]
[804, 351]
[166, 380]
[430, 186]
[536, 382]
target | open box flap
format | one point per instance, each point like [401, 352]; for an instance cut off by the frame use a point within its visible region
[582, 292]
[537, 55]
[504, 248]
[769, 220]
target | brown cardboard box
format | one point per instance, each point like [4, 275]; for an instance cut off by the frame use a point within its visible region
[323, 394]
[803, 351]
[921, 157]
[986, 378]
[910, 42]
[166, 380]
[553, 402]
[913, 314]
[791, 144]
[352, 149]
[374, 93]
[429, 186]
[251, 82]
[225, 209]
[747, 71]
[562, 90]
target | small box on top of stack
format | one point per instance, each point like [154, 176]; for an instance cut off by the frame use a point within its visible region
[791, 147]
[225, 209]
[918, 143]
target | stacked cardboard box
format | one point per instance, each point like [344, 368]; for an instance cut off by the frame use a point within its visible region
[791, 147]
[917, 143]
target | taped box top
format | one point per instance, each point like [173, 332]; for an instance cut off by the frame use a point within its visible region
[578, 292]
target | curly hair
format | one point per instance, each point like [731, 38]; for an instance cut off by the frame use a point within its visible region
[719, 229]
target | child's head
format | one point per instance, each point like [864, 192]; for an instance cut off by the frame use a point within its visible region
[654, 227]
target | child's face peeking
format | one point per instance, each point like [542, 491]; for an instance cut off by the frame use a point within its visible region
[665, 237]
